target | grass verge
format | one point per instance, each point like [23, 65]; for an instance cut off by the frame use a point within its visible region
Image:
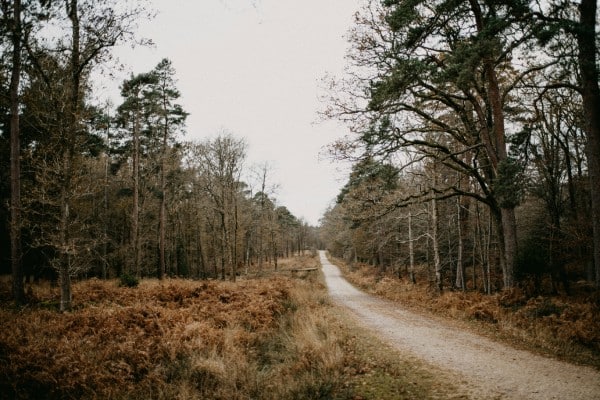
[375, 371]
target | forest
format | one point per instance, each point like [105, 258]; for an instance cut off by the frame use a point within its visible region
[137, 263]
[92, 189]
[474, 144]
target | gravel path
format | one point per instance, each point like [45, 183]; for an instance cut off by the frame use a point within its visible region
[486, 368]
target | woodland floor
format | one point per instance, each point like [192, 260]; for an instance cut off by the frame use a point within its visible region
[270, 335]
[479, 366]
[275, 334]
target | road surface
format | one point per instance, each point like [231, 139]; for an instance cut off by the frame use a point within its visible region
[488, 369]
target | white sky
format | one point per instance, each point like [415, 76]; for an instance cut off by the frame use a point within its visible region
[253, 68]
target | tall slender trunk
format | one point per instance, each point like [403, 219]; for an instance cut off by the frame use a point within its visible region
[261, 231]
[437, 264]
[175, 258]
[162, 263]
[248, 252]
[476, 244]
[586, 40]
[488, 252]
[223, 243]
[483, 238]
[203, 271]
[274, 248]
[105, 204]
[15, 161]
[509, 233]
[65, 247]
[135, 209]
[235, 240]
[68, 159]
[507, 213]
[479, 240]
[460, 267]
[215, 266]
[411, 251]
[162, 214]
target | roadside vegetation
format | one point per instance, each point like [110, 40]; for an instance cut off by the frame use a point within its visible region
[273, 337]
[562, 326]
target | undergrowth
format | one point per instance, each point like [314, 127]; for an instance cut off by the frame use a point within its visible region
[174, 339]
[277, 337]
[563, 326]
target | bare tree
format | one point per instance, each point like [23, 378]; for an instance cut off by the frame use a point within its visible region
[221, 162]
[91, 30]
[15, 149]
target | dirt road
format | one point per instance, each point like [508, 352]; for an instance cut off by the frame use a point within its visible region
[487, 369]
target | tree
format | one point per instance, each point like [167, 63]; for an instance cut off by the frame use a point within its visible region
[91, 30]
[131, 111]
[15, 151]
[171, 119]
[433, 80]
[559, 23]
[555, 125]
[220, 163]
[265, 218]
[588, 68]
[288, 224]
[364, 201]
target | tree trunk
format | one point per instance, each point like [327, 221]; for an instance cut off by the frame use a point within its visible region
[64, 272]
[162, 263]
[509, 231]
[488, 252]
[586, 40]
[214, 262]
[64, 275]
[202, 271]
[135, 209]
[260, 236]
[15, 161]
[483, 239]
[437, 264]
[234, 249]
[224, 246]
[274, 248]
[411, 251]
[460, 268]
[496, 150]
[474, 255]
[105, 206]
[68, 157]
[162, 214]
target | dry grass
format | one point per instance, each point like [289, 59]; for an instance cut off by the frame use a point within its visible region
[148, 341]
[271, 338]
[267, 338]
[171, 339]
[567, 327]
[375, 371]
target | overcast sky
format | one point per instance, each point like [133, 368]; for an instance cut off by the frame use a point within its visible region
[253, 68]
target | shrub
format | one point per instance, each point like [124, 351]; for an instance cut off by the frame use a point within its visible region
[128, 280]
